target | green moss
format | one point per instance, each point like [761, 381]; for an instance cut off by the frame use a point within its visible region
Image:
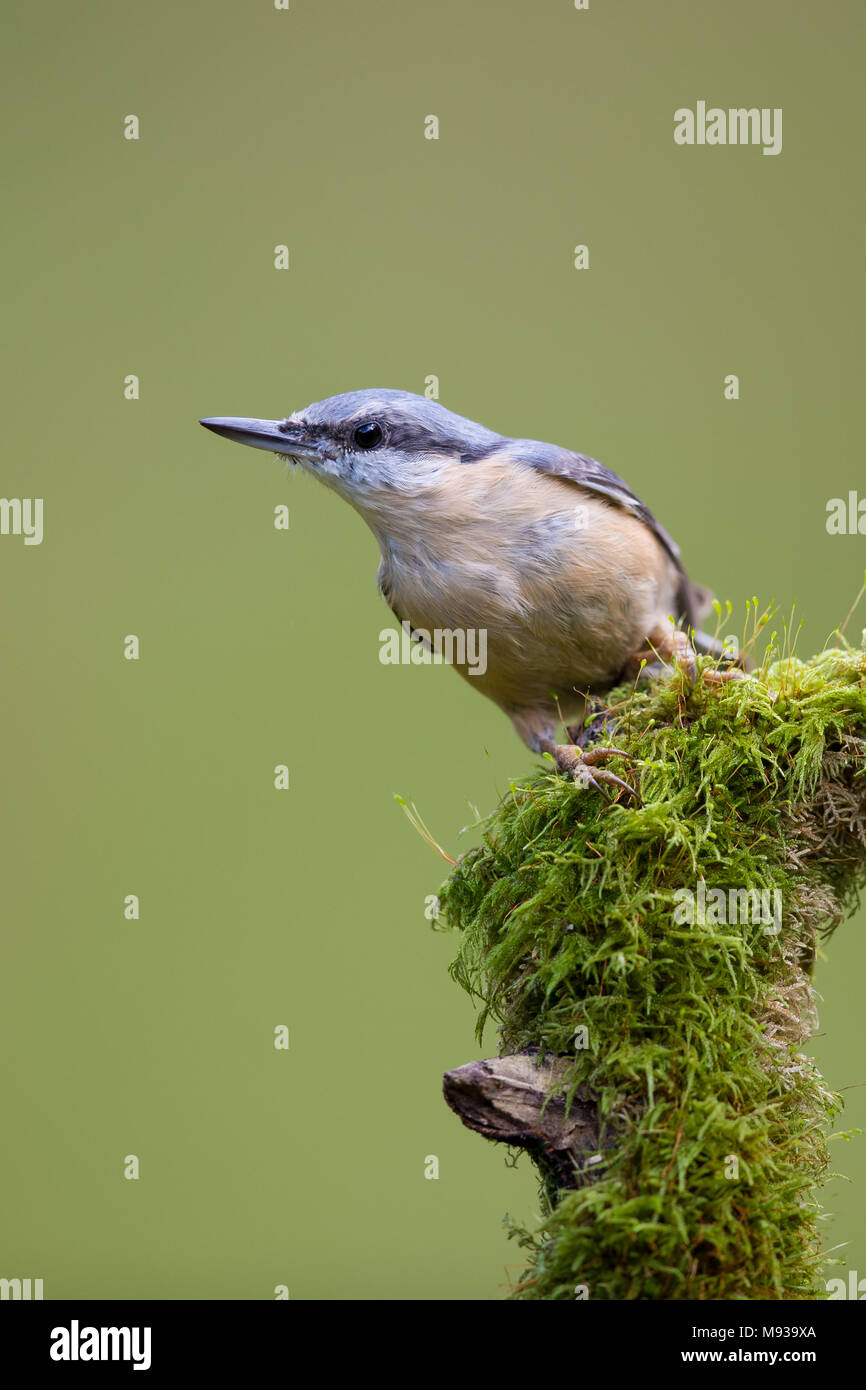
[568, 920]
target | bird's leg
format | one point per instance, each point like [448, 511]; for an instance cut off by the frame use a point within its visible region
[595, 724]
[672, 645]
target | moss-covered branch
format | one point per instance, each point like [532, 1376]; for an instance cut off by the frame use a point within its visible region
[661, 949]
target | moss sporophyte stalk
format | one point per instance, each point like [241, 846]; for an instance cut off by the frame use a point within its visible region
[661, 948]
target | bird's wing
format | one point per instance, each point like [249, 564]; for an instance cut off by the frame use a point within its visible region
[589, 473]
[592, 475]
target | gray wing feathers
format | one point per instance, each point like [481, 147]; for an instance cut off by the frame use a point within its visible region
[589, 473]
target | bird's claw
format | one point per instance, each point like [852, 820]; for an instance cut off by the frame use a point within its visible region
[580, 765]
[714, 677]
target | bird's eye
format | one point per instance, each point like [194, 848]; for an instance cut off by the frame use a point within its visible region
[367, 436]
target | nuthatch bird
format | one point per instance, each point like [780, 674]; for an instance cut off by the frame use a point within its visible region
[571, 577]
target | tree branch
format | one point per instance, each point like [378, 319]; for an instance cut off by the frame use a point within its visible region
[519, 1100]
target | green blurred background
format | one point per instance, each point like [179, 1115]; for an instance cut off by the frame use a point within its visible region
[409, 258]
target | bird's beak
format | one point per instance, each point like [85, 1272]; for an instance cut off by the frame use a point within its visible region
[278, 436]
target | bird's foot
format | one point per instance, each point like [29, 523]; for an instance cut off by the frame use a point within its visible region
[581, 765]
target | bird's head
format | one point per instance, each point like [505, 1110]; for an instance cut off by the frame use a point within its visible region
[368, 444]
